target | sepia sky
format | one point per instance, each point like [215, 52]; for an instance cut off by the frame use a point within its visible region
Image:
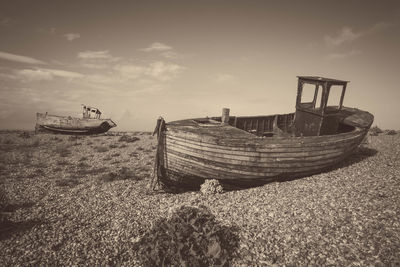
[137, 60]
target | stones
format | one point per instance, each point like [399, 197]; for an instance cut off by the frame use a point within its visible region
[349, 214]
[211, 186]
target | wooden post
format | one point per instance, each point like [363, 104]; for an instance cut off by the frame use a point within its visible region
[315, 95]
[299, 92]
[342, 96]
[257, 127]
[225, 116]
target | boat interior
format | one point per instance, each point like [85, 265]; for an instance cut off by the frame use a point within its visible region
[280, 125]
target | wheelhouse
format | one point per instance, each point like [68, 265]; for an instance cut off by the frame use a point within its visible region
[319, 113]
[91, 112]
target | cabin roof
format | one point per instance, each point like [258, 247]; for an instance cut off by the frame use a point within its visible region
[322, 80]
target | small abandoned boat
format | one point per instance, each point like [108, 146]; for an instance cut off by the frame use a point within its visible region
[234, 148]
[90, 123]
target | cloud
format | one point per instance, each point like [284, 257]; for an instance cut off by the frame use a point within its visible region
[225, 78]
[158, 70]
[42, 74]
[19, 58]
[163, 49]
[156, 46]
[128, 76]
[131, 79]
[104, 54]
[164, 71]
[7, 76]
[63, 73]
[72, 36]
[170, 54]
[97, 59]
[102, 80]
[348, 35]
[130, 71]
[28, 75]
[335, 56]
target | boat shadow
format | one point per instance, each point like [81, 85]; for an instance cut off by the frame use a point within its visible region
[9, 228]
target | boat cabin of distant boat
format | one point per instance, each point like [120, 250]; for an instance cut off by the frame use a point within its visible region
[318, 135]
[90, 123]
[91, 112]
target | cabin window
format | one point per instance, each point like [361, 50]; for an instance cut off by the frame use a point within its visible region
[307, 96]
[311, 96]
[335, 94]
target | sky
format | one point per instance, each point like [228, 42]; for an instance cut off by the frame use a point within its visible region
[138, 60]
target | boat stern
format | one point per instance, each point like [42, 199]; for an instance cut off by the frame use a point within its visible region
[111, 123]
[105, 126]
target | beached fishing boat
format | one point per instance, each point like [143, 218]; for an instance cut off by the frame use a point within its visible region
[90, 123]
[236, 148]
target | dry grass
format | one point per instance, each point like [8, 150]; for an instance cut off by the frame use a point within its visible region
[112, 145]
[101, 149]
[121, 174]
[375, 130]
[63, 163]
[128, 138]
[84, 169]
[63, 150]
[391, 132]
[65, 204]
[69, 181]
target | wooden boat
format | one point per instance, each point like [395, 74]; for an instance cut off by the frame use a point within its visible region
[236, 148]
[90, 123]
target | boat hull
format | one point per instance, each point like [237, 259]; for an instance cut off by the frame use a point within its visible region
[71, 125]
[195, 151]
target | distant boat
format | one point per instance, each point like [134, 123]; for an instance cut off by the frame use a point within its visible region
[90, 123]
[229, 148]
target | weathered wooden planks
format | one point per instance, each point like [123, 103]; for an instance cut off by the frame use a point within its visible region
[249, 141]
[268, 147]
[248, 155]
[192, 166]
[252, 160]
[261, 168]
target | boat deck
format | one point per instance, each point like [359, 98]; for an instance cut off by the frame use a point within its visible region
[213, 129]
